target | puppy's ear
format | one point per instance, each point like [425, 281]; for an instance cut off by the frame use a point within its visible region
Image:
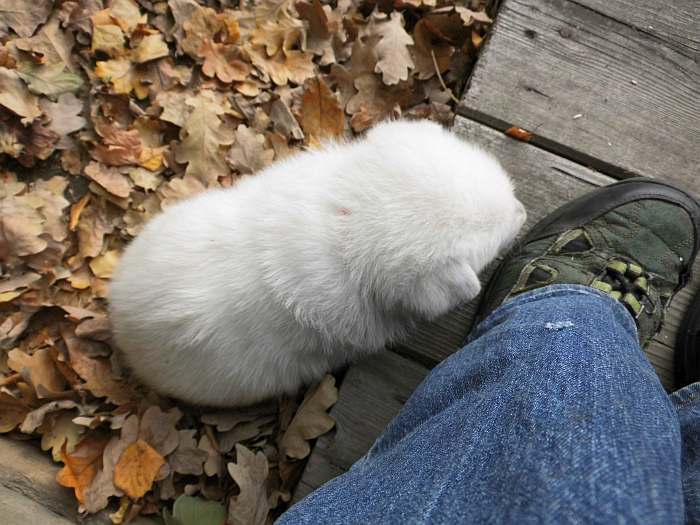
[443, 289]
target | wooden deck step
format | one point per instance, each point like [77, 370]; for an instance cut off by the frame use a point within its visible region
[595, 88]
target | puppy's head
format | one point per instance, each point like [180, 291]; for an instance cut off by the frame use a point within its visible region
[433, 211]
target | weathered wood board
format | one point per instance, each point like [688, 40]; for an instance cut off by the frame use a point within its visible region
[591, 88]
[675, 23]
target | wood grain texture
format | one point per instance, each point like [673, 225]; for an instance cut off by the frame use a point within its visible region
[548, 61]
[30, 475]
[676, 23]
[372, 393]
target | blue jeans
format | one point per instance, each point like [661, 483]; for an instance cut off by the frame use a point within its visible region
[551, 414]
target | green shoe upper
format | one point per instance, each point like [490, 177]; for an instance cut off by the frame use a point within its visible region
[634, 242]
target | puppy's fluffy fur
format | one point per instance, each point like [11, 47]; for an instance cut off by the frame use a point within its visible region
[245, 293]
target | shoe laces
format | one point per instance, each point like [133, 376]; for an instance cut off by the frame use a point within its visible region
[626, 282]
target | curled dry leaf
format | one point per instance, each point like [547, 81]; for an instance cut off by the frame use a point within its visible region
[249, 154]
[137, 469]
[249, 472]
[39, 369]
[311, 420]
[321, 115]
[81, 465]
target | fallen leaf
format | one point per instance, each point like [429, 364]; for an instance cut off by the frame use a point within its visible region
[15, 96]
[64, 117]
[103, 265]
[38, 369]
[204, 136]
[394, 58]
[53, 79]
[59, 433]
[110, 39]
[519, 133]
[213, 464]
[311, 420]
[151, 47]
[93, 225]
[249, 154]
[249, 472]
[137, 468]
[188, 458]
[51, 44]
[321, 114]
[35, 418]
[284, 121]
[109, 178]
[81, 465]
[12, 412]
[23, 21]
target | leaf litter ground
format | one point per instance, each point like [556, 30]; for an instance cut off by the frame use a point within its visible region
[111, 111]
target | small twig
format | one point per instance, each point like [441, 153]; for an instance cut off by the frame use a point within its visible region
[442, 82]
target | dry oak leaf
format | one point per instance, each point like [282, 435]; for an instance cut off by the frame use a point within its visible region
[119, 147]
[109, 178]
[64, 117]
[375, 101]
[204, 135]
[16, 286]
[321, 115]
[95, 371]
[21, 226]
[187, 458]
[248, 154]
[326, 36]
[213, 464]
[93, 225]
[51, 79]
[392, 49]
[12, 412]
[250, 473]
[108, 38]
[38, 369]
[430, 50]
[124, 76]
[126, 14]
[283, 67]
[469, 17]
[23, 21]
[103, 265]
[52, 44]
[284, 121]
[81, 465]
[150, 48]
[137, 469]
[311, 420]
[59, 432]
[35, 418]
[222, 61]
[178, 189]
[15, 96]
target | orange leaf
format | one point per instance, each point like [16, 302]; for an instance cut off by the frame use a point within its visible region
[321, 114]
[81, 465]
[76, 210]
[519, 134]
[137, 469]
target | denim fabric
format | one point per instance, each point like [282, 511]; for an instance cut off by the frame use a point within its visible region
[551, 414]
[687, 403]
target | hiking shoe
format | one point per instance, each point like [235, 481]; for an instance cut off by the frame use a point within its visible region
[634, 240]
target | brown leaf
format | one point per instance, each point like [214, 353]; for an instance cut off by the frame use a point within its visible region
[188, 458]
[392, 49]
[204, 135]
[109, 178]
[81, 465]
[64, 117]
[38, 369]
[35, 418]
[51, 44]
[284, 120]
[321, 114]
[223, 62]
[249, 472]
[150, 47]
[213, 464]
[178, 189]
[103, 265]
[519, 133]
[23, 21]
[137, 469]
[311, 420]
[96, 372]
[108, 38]
[249, 154]
[120, 147]
[93, 225]
[12, 412]
[283, 67]
[58, 432]
[15, 96]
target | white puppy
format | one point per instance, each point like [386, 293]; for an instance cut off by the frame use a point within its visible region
[245, 293]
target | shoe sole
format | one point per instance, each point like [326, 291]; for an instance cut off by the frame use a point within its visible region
[601, 201]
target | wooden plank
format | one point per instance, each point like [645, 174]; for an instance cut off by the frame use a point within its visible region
[31, 475]
[548, 61]
[677, 23]
[372, 393]
[20, 510]
[543, 182]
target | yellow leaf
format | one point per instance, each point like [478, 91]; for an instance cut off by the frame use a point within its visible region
[123, 76]
[137, 469]
[108, 38]
[103, 265]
